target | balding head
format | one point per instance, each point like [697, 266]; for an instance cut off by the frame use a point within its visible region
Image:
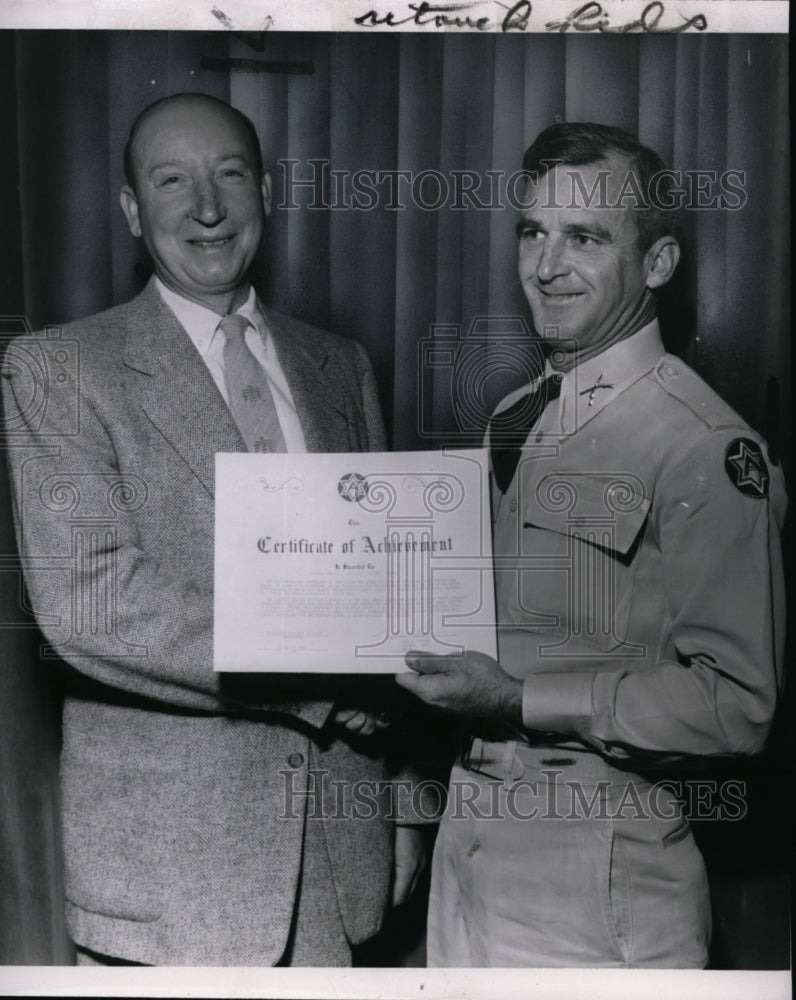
[188, 101]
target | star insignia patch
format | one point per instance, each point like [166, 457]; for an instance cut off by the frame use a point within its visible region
[746, 467]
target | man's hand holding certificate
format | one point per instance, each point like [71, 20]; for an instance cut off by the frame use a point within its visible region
[342, 563]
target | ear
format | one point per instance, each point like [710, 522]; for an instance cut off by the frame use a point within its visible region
[661, 260]
[129, 204]
[265, 191]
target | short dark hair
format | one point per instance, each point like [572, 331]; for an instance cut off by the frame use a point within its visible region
[140, 118]
[579, 143]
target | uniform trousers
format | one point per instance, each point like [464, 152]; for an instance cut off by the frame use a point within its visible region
[555, 858]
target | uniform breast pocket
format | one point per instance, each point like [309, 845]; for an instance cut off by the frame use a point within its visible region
[580, 534]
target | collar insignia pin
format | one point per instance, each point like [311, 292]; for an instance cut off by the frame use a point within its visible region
[599, 384]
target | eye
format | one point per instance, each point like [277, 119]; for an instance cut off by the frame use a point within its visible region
[170, 180]
[582, 240]
[527, 233]
[233, 173]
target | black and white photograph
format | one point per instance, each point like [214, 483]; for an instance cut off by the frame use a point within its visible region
[397, 446]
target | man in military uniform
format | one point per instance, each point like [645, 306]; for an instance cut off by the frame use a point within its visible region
[639, 600]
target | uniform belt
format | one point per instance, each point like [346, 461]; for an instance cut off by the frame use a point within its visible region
[512, 760]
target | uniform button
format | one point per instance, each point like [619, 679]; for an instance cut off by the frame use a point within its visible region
[513, 505]
[296, 759]
[669, 370]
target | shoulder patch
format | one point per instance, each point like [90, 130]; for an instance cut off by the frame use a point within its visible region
[746, 467]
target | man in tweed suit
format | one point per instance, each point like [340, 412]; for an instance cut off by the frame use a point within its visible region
[186, 837]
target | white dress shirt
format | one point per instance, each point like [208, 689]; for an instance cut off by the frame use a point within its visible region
[201, 325]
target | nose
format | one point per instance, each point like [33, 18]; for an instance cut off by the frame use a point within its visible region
[552, 261]
[208, 206]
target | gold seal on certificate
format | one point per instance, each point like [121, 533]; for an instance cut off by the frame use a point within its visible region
[341, 563]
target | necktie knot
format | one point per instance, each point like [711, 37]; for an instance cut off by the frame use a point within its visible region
[234, 326]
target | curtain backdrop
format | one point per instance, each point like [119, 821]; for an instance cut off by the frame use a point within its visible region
[388, 277]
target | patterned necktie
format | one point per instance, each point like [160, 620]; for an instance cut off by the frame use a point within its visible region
[508, 431]
[250, 397]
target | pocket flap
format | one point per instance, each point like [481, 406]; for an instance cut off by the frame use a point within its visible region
[605, 509]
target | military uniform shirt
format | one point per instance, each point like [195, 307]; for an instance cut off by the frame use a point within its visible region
[638, 564]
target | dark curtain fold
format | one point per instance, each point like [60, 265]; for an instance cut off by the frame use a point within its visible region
[397, 279]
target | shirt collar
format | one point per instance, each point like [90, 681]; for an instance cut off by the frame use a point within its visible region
[590, 387]
[249, 309]
[200, 322]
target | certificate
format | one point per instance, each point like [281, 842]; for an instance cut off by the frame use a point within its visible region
[341, 563]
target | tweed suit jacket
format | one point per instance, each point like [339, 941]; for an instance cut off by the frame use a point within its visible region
[183, 790]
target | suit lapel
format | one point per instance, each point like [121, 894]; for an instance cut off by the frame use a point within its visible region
[179, 396]
[177, 392]
[318, 402]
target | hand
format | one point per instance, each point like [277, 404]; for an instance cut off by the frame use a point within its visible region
[471, 685]
[410, 860]
[360, 722]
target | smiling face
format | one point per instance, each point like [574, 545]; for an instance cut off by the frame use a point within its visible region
[582, 269]
[198, 203]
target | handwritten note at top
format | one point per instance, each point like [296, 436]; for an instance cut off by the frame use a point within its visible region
[477, 16]
[472, 17]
